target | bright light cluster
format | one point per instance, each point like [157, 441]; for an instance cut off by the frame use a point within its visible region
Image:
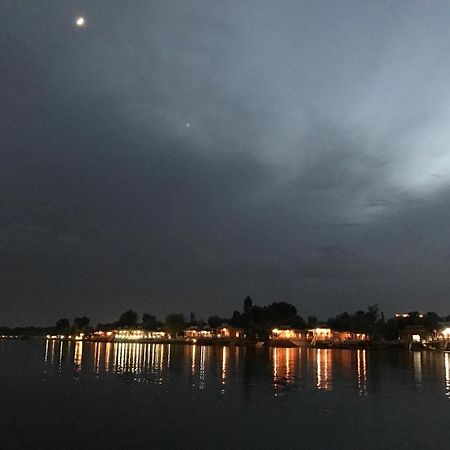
[446, 333]
[134, 335]
[406, 315]
[285, 334]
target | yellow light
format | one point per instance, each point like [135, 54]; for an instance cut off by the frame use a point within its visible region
[446, 333]
[80, 21]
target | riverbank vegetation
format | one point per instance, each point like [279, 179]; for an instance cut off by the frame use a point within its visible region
[256, 320]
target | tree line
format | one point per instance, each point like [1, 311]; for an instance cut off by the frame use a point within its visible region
[256, 320]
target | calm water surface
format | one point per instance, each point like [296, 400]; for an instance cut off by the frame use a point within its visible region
[94, 395]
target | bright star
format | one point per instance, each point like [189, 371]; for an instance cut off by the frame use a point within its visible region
[188, 125]
[80, 21]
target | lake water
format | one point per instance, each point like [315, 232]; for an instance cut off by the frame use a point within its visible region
[56, 395]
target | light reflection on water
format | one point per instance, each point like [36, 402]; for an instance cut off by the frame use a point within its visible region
[447, 375]
[362, 371]
[324, 367]
[286, 369]
[417, 358]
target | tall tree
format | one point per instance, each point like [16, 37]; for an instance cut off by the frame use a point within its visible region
[175, 323]
[81, 323]
[248, 304]
[216, 321]
[128, 319]
[62, 325]
[149, 322]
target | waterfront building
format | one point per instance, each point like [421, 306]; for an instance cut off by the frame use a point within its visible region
[287, 336]
[194, 333]
[319, 335]
[415, 333]
[328, 337]
[228, 332]
[408, 315]
[286, 333]
[443, 331]
[128, 334]
[157, 334]
[350, 336]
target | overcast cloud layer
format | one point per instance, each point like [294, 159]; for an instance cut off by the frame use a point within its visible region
[315, 168]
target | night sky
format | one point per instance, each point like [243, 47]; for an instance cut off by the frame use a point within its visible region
[177, 156]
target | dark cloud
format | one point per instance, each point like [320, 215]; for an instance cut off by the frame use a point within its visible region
[309, 171]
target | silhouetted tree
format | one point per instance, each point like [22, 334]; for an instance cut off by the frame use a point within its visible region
[149, 322]
[81, 323]
[192, 320]
[259, 320]
[216, 321]
[62, 325]
[175, 323]
[106, 326]
[236, 319]
[279, 311]
[360, 321]
[431, 320]
[312, 321]
[248, 303]
[128, 319]
[5, 331]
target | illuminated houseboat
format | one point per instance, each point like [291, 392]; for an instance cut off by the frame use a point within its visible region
[441, 338]
[228, 332]
[193, 334]
[287, 337]
[349, 339]
[415, 334]
[320, 337]
[326, 337]
[223, 335]
[129, 334]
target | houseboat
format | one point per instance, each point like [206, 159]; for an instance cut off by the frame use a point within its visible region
[223, 335]
[320, 337]
[287, 337]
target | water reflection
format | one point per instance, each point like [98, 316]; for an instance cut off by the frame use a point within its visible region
[225, 357]
[78, 354]
[362, 372]
[141, 362]
[323, 366]
[60, 358]
[202, 378]
[283, 366]
[447, 374]
[417, 362]
[224, 368]
[194, 347]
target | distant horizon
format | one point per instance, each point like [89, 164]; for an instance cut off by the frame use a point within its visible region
[94, 322]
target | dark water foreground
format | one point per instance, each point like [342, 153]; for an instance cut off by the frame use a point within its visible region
[94, 395]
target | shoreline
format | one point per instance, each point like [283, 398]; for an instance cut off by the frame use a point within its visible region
[374, 345]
